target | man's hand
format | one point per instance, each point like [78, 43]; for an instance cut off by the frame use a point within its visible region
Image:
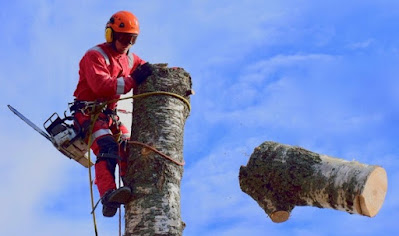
[142, 72]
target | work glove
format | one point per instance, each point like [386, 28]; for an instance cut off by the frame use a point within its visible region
[142, 72]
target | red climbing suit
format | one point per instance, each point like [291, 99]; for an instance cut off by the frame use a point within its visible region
[104, 76]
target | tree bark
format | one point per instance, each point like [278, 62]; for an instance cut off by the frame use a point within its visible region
[158, 121]
[280, 177]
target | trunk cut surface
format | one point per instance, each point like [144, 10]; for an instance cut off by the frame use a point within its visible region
[279, 177]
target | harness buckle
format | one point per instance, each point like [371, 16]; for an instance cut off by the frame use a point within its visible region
[85, 107]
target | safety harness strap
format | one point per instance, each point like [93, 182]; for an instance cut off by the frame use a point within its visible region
[95, 116]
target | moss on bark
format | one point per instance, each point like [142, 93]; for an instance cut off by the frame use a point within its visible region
[158, 121]
[280, 177]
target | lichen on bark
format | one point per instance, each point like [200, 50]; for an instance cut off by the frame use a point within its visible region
[158, 121]
[280, 177]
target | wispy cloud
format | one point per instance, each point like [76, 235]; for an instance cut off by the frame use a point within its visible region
[312, 74]
[361, 45]
[212, 199]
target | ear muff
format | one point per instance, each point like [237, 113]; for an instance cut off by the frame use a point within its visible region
[109, 34]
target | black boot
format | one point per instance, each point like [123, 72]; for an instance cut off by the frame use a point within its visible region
[113, 199]
[109, 209]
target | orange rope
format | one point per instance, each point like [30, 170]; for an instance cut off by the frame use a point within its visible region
[158, 152]
[94, 117]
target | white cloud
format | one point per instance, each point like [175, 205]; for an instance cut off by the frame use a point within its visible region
[46, 191]
[361, 45]
[211, 195]
[211, 190]
[261, 71]
[300, 92]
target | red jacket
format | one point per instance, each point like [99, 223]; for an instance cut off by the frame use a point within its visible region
[104, 74]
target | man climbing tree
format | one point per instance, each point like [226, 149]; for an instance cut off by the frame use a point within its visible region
[105, 72]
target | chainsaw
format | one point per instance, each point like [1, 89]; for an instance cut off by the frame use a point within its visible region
[64, 134]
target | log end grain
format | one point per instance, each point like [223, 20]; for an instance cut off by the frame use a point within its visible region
[374, 191]
[279, 216]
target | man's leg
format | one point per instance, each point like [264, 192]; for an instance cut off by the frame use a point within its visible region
[107, 159]
[106, 149]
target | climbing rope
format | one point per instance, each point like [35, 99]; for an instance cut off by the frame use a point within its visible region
[120, 208]
[158, 152]
[95, 112]
[155, 93]
[89, 142]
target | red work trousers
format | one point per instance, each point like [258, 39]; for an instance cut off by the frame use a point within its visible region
[106, 147]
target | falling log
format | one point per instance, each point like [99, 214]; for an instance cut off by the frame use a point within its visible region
[156, 153]
[279, 177]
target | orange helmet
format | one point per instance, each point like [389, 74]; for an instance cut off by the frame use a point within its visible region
[121, 22]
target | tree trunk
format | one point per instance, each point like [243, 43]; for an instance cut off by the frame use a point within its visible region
[280, 177]
[158, 121]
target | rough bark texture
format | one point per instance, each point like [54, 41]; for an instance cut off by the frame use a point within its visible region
[280, 177]
[158, 120]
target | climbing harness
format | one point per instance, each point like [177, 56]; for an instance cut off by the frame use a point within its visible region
[95, 112]
[68, 136]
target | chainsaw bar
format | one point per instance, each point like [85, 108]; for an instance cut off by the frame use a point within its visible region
[30, 123]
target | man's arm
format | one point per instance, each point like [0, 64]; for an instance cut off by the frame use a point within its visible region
[99, 78]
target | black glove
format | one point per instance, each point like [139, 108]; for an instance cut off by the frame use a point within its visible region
[142, 72]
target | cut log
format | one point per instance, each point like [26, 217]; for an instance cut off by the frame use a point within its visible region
[279, 177]
[158, 122]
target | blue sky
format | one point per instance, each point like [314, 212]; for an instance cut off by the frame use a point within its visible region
[318, 74]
